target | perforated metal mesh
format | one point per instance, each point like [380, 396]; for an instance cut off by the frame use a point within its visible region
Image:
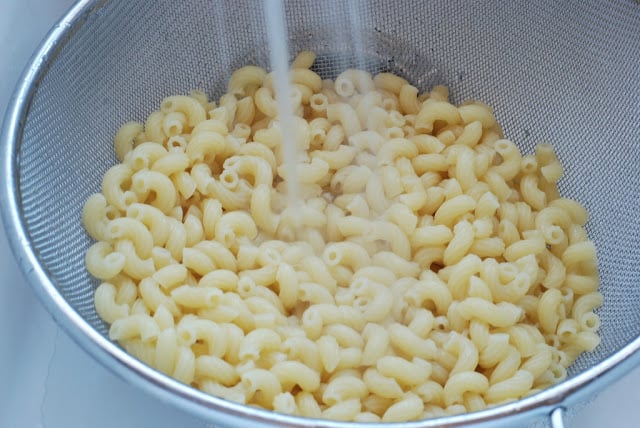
[561, 72]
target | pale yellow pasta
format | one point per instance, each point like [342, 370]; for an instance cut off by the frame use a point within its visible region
[106, 306]
[488, 247]
[552, 171]
[112, 186]
[343, 411]
[464, 170]
[548, 310]
[196, 297]
[578, 253]
[408, 98]
[153, 297]
[430, 292]
[95, 214]
[430, 162]
[496, 349]
[234, 393]
[391, 182]
[346, 116]
[507, 366]
[133, 230]
[194, 229]
[415, 197]
[153, 128]
[576, 212]
[511, 159]
[171, 276]
[265, 103]
[103, 262]
[284, 403]
[427, 268]
[514, 387]
[533, 245]
[582, 311]
[174, 123]
[452, 209]
[352, 80]
[431, 236]
[376, 343]
[337, 159]
[245, 115]
[304, 59]
[145, 155]
[263, 382]
[134, 326]
[394, 148]
[460, 273]
[471, 134]
[463, 382]
[197, 261]
[346, 253]
[405, 340]
[392, 234]
[146, 182]
[396, 264]
[345, 335]
[498, 185]
[125, 138]
[531, 193]
[164, 318]
[502, 314]
[243, 80]
[389, 82]
[381, 385]
[477, 112]
[539, 362]
[134, 266]
[296, 373]
[408, 408]
[432, 111]
[314, 293]
[403, 371]
[372, 299]
[582, 284]
[166, 351]
[153, 219]
[307, 405]
[460, 243]
[188, 106]
[306, 78]
[216, 368]
[466, 352]
[301, 348]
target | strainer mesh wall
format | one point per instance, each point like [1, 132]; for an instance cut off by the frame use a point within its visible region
[560, 72]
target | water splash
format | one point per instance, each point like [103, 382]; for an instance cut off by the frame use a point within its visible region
[279, 58]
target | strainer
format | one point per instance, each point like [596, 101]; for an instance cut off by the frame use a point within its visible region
[563, 72]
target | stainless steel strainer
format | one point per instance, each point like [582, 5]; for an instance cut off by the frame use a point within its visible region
[562, 72]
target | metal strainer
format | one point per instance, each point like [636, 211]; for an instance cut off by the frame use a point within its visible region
[562, 72]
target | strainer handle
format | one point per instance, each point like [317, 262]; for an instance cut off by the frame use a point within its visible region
[557, 417]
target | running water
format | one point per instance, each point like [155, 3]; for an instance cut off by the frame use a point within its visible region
[356, 34]
[279, 57]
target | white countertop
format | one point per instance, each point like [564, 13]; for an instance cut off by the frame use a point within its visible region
[47, 381]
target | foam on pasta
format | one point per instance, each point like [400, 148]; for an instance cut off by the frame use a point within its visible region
[430, 269]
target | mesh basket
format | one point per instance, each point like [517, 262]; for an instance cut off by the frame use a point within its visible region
[560, 72]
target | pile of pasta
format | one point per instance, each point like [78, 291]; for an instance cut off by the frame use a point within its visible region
[429, 268]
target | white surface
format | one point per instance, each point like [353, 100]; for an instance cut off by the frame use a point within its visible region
[46, 380]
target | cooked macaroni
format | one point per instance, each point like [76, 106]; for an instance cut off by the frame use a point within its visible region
[429, 269]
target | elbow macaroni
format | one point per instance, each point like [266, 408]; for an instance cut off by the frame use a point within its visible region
[431, 268]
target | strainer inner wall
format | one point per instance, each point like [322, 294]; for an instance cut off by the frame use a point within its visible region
[559, 72]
